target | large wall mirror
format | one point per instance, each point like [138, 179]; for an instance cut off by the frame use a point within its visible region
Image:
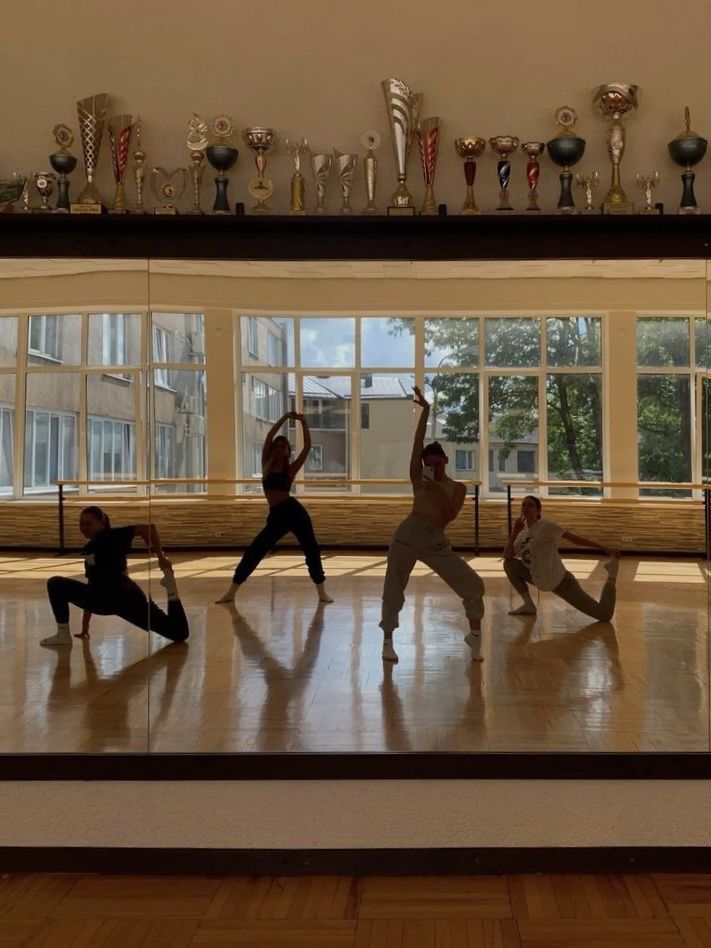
[148, 389]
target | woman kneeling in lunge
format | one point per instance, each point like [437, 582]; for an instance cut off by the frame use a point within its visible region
[437, 500]
[286, 514]
[531, 556]
[109, 591]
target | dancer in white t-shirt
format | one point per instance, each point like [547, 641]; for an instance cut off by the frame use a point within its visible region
[531, 557]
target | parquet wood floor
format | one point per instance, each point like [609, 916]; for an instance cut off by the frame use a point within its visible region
[541, 911]
[278, 673]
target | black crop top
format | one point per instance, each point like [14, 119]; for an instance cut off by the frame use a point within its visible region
[277, 480]
[105, 555]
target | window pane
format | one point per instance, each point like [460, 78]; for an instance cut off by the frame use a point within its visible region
[327, 406]
[454, 419]
[664, 430]
[574, 405]
[7, 427]
[574, 340]
[513, 427]
[386, 439]
[703, 343]
[452, 340]
[8, 340]
[51, 443]
[181, 337]
[53, 339]
[265, 398]
[386, 341]
[183, 411]
[114, 339]
[267, 340]
[663, 340]
[111, 431]
[513, 342]
[328, 342]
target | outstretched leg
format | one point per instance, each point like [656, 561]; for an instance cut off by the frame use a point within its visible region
[572, 592]
[519, 577]
[135, 608]
[62, 592]
[401, 562]
[303, 530]
[264, 541]
[467, 584]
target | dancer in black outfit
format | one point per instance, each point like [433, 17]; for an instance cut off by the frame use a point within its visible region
[109, 591]
[286, 514]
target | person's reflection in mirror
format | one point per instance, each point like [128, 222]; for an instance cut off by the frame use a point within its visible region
[109, 590]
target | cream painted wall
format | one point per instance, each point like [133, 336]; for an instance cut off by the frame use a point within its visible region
[313, 68]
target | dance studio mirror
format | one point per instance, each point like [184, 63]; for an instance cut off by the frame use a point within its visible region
[274, 401]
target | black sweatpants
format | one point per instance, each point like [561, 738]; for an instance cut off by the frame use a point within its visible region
[286, 517]
[125, 599]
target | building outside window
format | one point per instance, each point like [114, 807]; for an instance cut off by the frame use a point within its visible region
[44, 337]
[7, 416]
[50, 448]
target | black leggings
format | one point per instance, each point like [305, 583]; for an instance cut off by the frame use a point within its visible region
[286, 517]
[126, 599]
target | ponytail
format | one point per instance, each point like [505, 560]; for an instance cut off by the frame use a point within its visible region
[98, 514]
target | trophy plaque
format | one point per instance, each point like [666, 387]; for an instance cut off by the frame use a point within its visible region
[370, 140]
[614, 100]
[120, 128]
[588, 183]
[92, 113]
[403, 108]
[222, 155]
[44, 182]
[321, 169]
[297, 187]
[504, 145]
[428, 139]
[565, 150]
[168, 186]
[63, 162]
[469, 148]
[532, 150]
[648, 183]
[139, 169]
[260, 140]
[197, 143]
[345, 169]
[687, 150]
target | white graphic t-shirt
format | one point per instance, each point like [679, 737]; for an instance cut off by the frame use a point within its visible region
[537, 546]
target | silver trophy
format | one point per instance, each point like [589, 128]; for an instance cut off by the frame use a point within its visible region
[403, 108]
[345, 169]
[321, 169]
[91, 113]
[197, 142]
[647, 183]
[588, 183]
[371, 142]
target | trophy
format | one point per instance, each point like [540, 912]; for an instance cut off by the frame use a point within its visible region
[403, 107]
[532, 150]
[469, 148]
[504, 145]
[588, 183]
[168, 186]
[687, 149]
[63, 163]
[139, 171]
[614, 100]
[648, 183]
[11, 189]
[197, 143]
[371, 142]
[565, 150]
[320, 168]
[260, 140]
[222, 155]
[92, 117]
[428, 139]
[44, 182]
[120, 128]
[345, 168]
[297, 203]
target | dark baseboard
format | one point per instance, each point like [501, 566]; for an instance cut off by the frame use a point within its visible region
[354, 862]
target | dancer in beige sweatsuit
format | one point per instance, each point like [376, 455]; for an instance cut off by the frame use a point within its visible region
[437, 501]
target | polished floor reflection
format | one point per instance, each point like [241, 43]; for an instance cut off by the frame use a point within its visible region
[279, 673]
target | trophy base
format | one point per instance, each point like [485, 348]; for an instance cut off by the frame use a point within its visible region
[165, 209]
[533, 210]
[85, 208]
[195, 212]
[42, 210]
[566, 210]
[590, 210]
[504, 210]
[397, 211]
[695, 209]
[470, 212]
[370, 209]
[297, 212]
[649, 210]
[123, 210]
[621, 207]
[260, 209]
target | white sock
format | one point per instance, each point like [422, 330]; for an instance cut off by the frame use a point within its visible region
[322, 594]
[527, 608]
[63, 636]
[230, 594]
[389, 653]
[473, 640]
[612, 566]
[170, 585]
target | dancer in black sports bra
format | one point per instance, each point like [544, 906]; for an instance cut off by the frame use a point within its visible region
[286, 514]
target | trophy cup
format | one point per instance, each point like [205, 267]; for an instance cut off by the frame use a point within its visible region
[297, 202]
[321, 169]
[614, 100]
[260, 140]
[648, 183]
[428, 139]
[565, 150]
[687, 149]
[197, 143]
[92, 117]
[504, 145]
[403, 107]
[371, 142]
[532, 150]
[120, 128]
[139, 171]
[168, 186]
[222, 155]
[469, 148]
[44, 182]
[345, 168]
[63, 162]
[588, 183]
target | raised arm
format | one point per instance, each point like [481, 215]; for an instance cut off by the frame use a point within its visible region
[585, 542]
[271, 434]
[148, 533]
[509, 553]
[418, 442]
[300, 459]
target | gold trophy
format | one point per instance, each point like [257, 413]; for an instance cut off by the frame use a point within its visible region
[260, 140]
[139, 171]
[588, 183]
[371, 142]
[504, 145]
[120, 128]
[614, 100]
[297, 202]
[648, 183]
[428, 139]
[168, 186]
[321, 169]
[403, 107]
[469, 148]
[92, 113]
[345, 169]
[197, 143]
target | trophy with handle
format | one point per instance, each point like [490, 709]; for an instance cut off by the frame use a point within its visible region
[120, 128]
[614, 100]
[470, 147]
[260, 140]
[428, 139]
[91, 112]
[222, 155]
[403, 108]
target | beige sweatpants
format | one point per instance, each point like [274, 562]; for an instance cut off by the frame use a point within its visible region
[414, 540]
[568, 589]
